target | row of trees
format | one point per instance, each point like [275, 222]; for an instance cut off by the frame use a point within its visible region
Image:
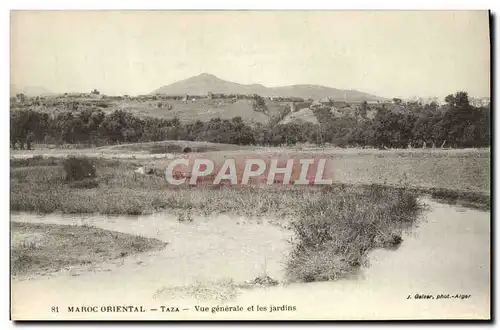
[457, 124]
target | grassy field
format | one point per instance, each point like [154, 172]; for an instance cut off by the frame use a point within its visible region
[461, 170]
[44, 248]
[335, 226]
[465, 171]
[38, 185]
[129, 150]
[173, 147]
[446, 170]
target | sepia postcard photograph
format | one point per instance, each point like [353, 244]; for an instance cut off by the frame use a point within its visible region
[250, 165]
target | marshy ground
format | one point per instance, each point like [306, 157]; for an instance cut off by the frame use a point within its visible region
[229, 236]
[208, 262]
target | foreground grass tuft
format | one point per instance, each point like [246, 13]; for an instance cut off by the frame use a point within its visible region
[334, 234]
[216, 290]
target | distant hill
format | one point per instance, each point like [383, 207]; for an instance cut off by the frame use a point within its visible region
[317, 92]
[204, 83]
[29, 90]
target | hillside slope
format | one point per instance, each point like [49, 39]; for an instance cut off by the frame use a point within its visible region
[301, 116]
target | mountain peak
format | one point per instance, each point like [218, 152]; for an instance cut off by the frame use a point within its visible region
[205, 75]
[205, 83]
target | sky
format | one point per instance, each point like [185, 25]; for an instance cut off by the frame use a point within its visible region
[385, 53]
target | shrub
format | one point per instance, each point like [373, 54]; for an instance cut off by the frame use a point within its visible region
[79, 168]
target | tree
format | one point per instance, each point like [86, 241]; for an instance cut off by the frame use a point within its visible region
[397, 101]
[21, 97]
[450, 100]
[363, 110]
[459, 116]
[243, 134]
[259, 103]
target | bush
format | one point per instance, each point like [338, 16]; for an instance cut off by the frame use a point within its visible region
[79, 168]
